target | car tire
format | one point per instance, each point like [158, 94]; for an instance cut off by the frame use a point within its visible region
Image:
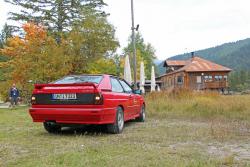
[142, 116]
[51, 127]
[118, 126]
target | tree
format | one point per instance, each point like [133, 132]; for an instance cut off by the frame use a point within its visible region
[87, 48]
[57, 15]
[239, 80]
[35, 57]
[90, 40]
[5, 34]
[103, 66]
[144, 51]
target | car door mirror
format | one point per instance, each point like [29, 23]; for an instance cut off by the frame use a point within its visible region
[138, 92]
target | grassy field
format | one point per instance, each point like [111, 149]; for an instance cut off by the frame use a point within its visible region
[182, 129]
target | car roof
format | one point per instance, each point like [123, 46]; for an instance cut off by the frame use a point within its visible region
[104, 76]
[91, 75]
[110, 75]
[107, 75]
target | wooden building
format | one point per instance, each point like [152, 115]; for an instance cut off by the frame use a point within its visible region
[196, 74]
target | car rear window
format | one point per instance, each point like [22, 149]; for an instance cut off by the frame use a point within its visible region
[79, 79]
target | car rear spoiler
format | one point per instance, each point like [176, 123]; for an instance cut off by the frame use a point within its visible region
[40, 86]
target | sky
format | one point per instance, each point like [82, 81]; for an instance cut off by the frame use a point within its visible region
[176, 26]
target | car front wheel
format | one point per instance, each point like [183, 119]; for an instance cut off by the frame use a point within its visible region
[118, 126]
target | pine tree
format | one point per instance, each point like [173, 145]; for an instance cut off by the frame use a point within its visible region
[57, 15]
[5, 34]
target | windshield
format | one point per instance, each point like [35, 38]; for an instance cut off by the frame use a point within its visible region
[79, 79]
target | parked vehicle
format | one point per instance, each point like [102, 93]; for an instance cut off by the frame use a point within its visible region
[86, 99]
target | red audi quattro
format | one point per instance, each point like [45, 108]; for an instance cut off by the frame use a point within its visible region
[86, 99]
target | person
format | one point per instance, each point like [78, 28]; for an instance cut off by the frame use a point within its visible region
[13, 96]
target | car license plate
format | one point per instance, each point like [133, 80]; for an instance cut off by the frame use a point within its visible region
[71, 96]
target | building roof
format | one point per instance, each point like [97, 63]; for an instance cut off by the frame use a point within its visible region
[175, 62]
[197, 64]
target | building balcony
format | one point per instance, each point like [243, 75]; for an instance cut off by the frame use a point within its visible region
[215, 85]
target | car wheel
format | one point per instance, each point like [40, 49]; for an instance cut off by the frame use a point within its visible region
[51, 127]
[118, 126]
[142, 116]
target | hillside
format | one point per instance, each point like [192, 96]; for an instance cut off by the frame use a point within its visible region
[235, 55]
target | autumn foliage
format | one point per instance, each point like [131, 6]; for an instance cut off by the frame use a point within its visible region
[36, 56]
[40, 58]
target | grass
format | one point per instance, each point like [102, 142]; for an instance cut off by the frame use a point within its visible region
[195, 105]
[183, 129]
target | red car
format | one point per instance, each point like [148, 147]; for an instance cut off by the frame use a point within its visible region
[86, 99]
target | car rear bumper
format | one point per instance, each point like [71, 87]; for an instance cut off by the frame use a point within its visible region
[74, 115]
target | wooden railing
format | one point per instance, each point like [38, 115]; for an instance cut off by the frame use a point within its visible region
[215, 85]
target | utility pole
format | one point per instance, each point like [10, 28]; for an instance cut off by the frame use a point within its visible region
[133, 42]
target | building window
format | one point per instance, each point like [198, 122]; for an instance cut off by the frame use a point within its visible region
[208, 78]
[198, 80]
[218, 77]
[180, 80]
[225, 78]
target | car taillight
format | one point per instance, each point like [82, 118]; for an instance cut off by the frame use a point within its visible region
[98, 99]
[33, 99]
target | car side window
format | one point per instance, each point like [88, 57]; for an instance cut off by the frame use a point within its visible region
[126, 87]
[116, 86]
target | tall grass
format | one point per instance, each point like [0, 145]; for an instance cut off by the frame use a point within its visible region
[198, 105]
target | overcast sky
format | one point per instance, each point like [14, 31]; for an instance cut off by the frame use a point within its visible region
[177, 26]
